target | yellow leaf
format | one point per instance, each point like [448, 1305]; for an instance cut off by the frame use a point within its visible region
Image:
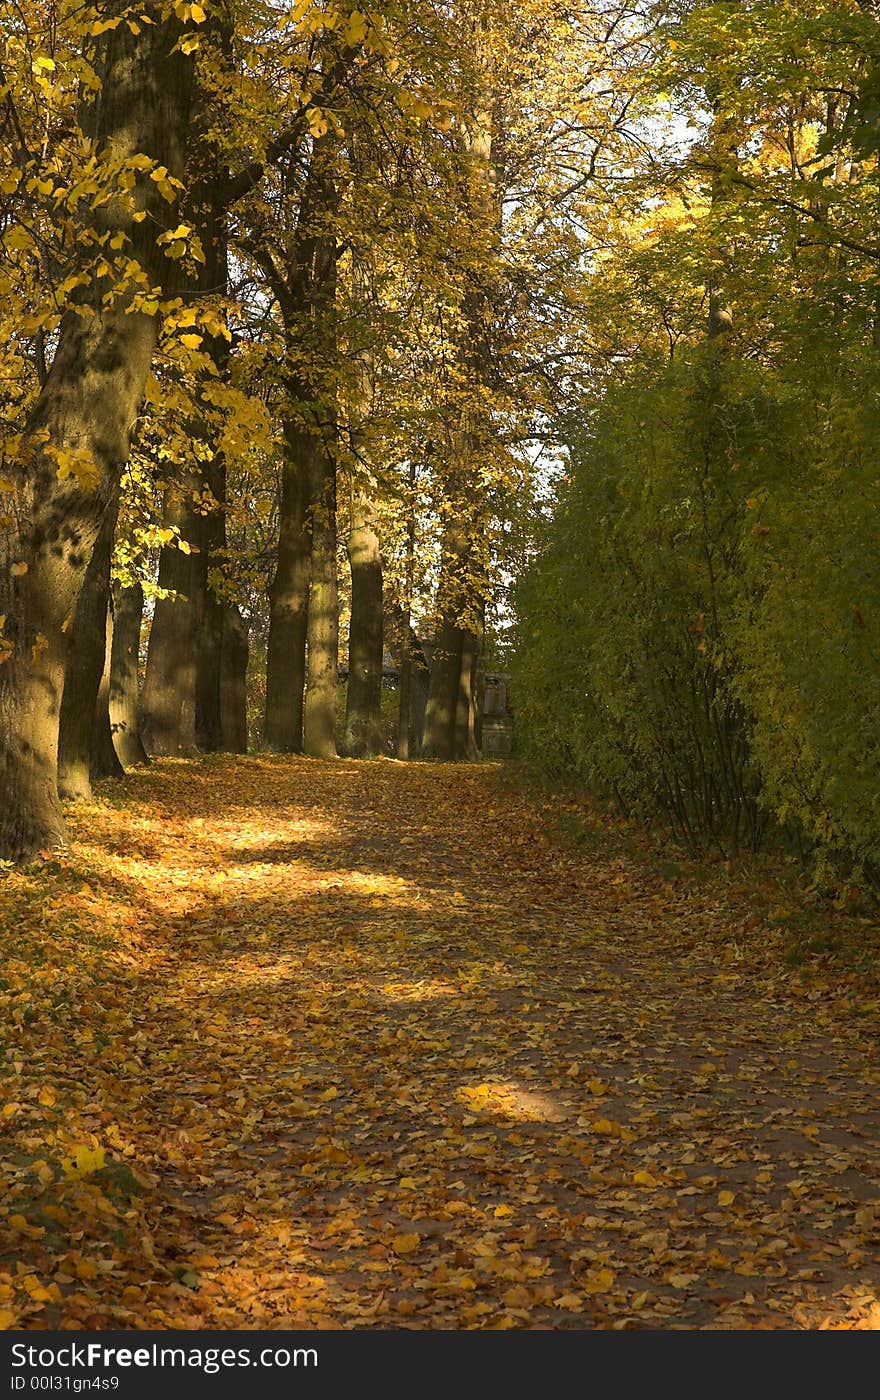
[571, 1302]
[517, 1297]
[607, 1126]
[599, 1282]
[726, 1198]
[406, 1244]
[47, 1096]
[85, 1160]
[18, 238]
[8, 1319]
[191, 341]
[644, 1179]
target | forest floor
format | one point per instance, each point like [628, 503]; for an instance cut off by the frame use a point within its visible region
[303, 1045]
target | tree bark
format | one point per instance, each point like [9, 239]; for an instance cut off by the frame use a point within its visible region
[289, 601]
[81, 423]
[443, 693]
[124, 708]
[363, 710]
[233, 707]
[168, 707]
[211, 220]
[404, 706]
[465, 746]
[306, 292]
[322, 678]
[405, 699]
[450, 729]
[209, 669]
[85, 666]
[415, 674]
[105, 761]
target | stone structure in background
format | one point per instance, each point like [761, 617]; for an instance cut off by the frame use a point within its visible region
[497, 716]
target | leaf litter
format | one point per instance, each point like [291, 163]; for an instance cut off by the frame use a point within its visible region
[289, 1044]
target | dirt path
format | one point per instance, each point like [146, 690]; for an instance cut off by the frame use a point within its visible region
[379, 1053]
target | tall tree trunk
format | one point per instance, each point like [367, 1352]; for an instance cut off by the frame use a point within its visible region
[85, 665]
[405, 699]
[404, 705]
[415, 672]
[233, 695]
[465, 710]
[322, 679]
[306, 291]
[363, 710]
[289, 601]
[317, 257]
[124, 706]
[209, 670]
[362, 733]
[83, 418]
[105, 761]
[212, 222]
[442, 708]
[449, 720]
[168, 706]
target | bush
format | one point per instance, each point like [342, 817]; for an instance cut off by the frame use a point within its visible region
[698, 633]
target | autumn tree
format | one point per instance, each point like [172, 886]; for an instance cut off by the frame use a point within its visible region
[62, 468]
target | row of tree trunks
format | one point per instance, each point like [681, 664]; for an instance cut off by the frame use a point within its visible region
[100, 730]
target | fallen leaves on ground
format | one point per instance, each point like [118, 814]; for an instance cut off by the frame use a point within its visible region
[294, 1044]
